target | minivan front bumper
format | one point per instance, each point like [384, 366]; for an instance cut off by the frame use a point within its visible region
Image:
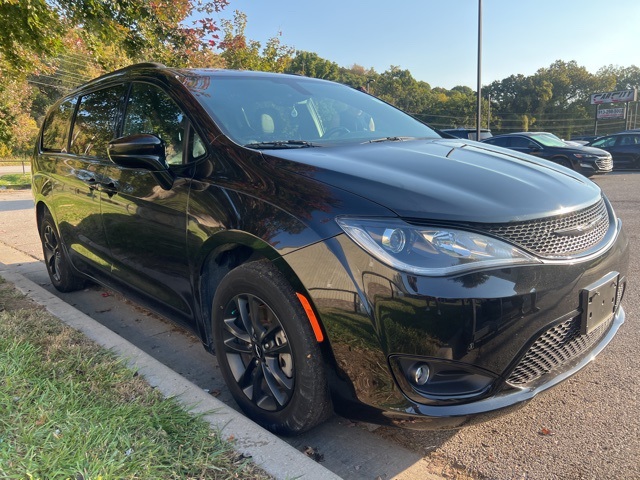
[472, 331]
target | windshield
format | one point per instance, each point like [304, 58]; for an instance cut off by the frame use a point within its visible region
[285, 111]
[549, 140]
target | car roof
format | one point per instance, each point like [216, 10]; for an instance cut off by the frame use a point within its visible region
[153, 69]
[513, 134]
[620, 134]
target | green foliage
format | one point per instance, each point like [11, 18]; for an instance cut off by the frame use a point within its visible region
[311, 65]
[35, 30]
[31, 31]
[239, 53]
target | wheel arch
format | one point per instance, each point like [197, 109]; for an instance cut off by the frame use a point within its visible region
[41, 208]
[563, 160]
[228, 250]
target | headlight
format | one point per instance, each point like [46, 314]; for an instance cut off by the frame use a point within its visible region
[430, 251]
[584, 155]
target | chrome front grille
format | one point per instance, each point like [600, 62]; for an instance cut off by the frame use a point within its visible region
[605, 163]
[555, 347]
[560, 236]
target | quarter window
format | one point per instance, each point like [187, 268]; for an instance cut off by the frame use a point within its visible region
[95, 122]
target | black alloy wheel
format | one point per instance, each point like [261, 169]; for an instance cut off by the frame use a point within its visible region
[60, 271]
[258, 352]
[267, 352]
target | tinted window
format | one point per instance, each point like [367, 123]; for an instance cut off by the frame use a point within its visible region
[521, 142]
[499, 141]
[604, 142]
[55, 133]
[628, 140]
[95, 122]
[273, 109]
[151, 111]
[549, 140]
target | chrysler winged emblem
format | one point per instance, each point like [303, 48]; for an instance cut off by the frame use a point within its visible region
[576, 230]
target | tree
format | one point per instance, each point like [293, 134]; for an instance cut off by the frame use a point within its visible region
[397, 86]
[311, 65]
[17, 128]
[242, 54]
[34, 30]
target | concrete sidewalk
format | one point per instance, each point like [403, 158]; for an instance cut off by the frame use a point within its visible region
[268, 451]
[17, 168]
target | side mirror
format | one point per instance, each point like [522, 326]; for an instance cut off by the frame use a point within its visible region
[142, 151]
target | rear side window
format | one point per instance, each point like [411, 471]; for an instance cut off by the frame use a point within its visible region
[604, 142]
[95, 122]
[520, 142]
[501, 142]
[55, 133]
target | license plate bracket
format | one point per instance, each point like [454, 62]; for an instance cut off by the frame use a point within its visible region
[598, 302]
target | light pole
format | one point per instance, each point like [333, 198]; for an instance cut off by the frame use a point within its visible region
[479, 119]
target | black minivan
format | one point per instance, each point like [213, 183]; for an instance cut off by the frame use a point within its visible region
[334, 252]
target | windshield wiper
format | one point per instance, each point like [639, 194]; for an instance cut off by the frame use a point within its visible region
[281, 144]
[391, 139]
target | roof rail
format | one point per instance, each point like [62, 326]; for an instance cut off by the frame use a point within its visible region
[139, 65]
[135, 66]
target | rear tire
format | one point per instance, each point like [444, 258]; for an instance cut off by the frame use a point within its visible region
[61, 273]
[267, 352]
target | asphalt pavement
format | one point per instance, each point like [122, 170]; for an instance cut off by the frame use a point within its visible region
[585, 428]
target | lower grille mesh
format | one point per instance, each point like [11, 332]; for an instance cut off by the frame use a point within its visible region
[555, 347]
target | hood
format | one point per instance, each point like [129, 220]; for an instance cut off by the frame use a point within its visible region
[444, 179]
[593, 151]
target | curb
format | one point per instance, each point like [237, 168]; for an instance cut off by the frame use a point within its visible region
[266, 450]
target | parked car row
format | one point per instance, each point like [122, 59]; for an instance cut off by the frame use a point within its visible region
[624, 147]
[586, 160]
[468, 133]
[598, 155]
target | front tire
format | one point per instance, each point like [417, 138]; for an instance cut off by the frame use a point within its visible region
[267, 352]
[565, 162]
[61, 273]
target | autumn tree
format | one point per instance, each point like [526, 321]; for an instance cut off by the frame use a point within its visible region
[34, 30]
[39, 37]
[240, 53]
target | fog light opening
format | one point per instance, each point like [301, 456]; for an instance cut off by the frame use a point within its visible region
[419, 374]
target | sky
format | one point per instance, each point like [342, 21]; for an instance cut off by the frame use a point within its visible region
[437, 40]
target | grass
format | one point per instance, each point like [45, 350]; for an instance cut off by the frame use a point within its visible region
[71, 410]
[15, 180]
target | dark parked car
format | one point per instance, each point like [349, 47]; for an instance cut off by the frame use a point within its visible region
[588, 161]
[334, 252]
[624, 148]
[584, 138]
[468, 133]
